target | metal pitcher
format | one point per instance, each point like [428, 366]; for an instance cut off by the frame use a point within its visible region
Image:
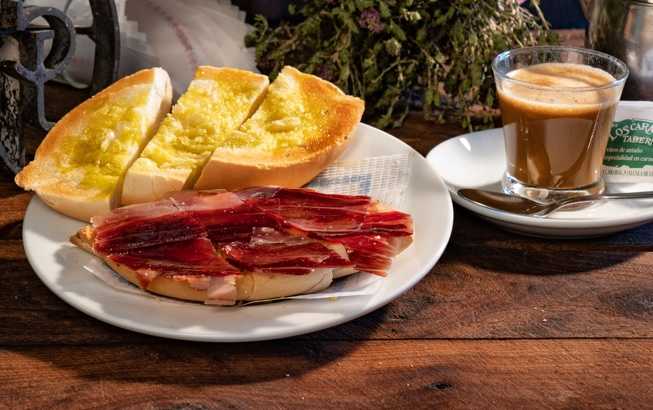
[624, 28]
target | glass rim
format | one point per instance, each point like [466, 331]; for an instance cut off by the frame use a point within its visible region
[620, 80]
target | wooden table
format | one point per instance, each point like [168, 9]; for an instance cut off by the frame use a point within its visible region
[501, 321]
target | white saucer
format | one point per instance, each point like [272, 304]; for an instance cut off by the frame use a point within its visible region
[477, 160]
[61, 267]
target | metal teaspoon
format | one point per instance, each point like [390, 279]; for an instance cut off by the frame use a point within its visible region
[524, 206]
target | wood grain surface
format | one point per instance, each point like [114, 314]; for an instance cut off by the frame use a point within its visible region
[502, 321]
[318, 375]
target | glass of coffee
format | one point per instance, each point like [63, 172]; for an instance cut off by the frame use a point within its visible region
[557, 106]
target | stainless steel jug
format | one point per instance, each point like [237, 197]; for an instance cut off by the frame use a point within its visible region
[624, 29]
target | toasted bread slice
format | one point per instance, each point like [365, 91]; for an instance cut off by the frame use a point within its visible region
[302, 125]
[248, 286]
[79, 166]
[217, 102]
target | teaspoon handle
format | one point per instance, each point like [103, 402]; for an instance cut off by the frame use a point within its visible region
[590, 198]
[628, 195]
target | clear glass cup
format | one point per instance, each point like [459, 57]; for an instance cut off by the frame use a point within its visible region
[557, 106]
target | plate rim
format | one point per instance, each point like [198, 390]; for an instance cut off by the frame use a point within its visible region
[524, 220]
[179, 334]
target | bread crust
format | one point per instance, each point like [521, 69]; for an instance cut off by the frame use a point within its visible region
[232, 74]
[232, 169]
[78, 203]
[74, 205]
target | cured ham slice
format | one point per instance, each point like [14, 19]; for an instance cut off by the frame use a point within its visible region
[367, 234]
[194, 257]
[173, 219]
[275, 230]
[369, 253]
[269, 196]
[131, 213]
[237, 224]
[271, 250]
[198, 250]
[147, 232]
[312, 212]
[149, 269]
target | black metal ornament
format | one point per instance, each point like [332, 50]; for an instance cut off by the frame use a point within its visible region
[23, 76]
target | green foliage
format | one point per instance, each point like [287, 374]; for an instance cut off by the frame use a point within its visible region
[393, 52]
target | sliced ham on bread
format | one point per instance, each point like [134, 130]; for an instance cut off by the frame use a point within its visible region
[219, 289]
[254, 244]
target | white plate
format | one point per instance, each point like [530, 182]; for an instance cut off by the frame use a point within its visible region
[60, 267]
[478, 160]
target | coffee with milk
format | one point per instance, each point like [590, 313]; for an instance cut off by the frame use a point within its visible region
[557, 119]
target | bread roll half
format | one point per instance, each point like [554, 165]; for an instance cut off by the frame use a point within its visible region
[218, 100]
[79, 167]
[302, 125]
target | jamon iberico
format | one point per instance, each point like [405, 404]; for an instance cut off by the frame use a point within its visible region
[266, 230]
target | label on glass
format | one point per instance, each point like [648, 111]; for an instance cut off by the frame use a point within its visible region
[629, 155]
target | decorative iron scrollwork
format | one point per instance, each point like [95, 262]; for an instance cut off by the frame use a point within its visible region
[26, 66]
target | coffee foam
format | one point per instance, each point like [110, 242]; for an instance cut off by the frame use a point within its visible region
[561, 88]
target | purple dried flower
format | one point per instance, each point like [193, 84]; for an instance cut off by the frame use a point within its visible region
[371, 20]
